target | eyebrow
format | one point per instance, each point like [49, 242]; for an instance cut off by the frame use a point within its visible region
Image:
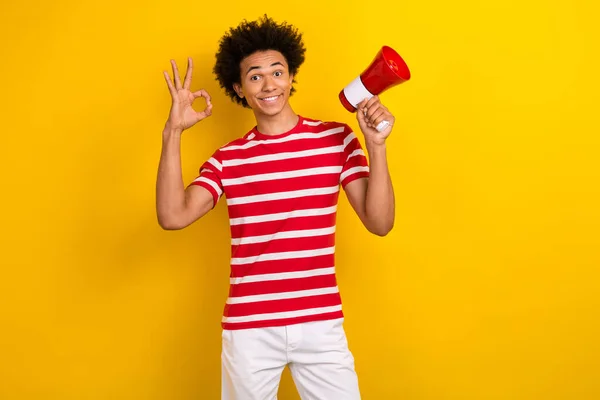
[257, 67]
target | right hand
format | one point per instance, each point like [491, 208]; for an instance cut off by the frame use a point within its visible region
[182, 115]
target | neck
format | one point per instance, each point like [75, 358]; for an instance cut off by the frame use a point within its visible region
[278, 123]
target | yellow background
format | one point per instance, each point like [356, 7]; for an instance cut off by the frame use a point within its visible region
[487, 288]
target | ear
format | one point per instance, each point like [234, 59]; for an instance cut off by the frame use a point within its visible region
[238, 89]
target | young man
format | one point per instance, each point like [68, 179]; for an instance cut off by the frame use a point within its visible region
[281, 180]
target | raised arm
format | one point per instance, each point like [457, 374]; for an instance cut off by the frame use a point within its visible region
[373, 198]
[176, 206]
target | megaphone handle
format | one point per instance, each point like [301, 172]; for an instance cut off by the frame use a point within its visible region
[382, 125]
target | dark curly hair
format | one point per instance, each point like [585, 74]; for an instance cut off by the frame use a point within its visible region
[250, 37]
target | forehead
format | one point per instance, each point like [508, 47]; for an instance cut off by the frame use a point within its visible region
[262, 59]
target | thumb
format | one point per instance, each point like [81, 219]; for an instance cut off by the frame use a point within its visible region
[206, 113]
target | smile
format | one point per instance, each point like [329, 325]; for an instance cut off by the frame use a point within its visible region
[270, 99]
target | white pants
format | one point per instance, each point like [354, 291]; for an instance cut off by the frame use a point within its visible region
[317, 353]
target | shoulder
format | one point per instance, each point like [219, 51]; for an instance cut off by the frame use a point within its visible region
[341, 130]
[235, 144]
[336, 133]
[324, 124]
[335, 130]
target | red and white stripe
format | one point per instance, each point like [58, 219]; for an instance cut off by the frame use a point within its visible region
[282, 194]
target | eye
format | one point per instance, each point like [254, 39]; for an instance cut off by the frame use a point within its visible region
[254, 77]
[278, 73]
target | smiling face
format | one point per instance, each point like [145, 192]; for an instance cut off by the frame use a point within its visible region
[265, 82]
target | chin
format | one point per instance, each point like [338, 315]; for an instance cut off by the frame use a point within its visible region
[270, 111]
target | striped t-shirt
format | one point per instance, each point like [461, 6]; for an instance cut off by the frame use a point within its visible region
[282, 193]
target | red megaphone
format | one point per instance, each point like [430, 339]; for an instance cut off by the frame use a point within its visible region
[387, 69]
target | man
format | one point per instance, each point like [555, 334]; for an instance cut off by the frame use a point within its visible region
[281, 180]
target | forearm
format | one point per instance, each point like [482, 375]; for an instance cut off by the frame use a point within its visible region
[380, 208]
[170, 191]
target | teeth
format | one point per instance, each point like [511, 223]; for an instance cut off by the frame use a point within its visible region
[270, 98]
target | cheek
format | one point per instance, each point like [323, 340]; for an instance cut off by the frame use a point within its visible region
[251, 91]
[287, 85]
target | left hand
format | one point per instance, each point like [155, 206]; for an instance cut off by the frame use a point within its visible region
[369, 114]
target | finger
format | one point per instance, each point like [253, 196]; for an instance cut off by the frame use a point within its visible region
[382, 118]
[206, 113]
[376, 115]
[360, 113]
[208, 110]
[170, 84]
[370, 104]
[373, 100]
[202, 93]
[360, 106]
[187, 82]
[389, 118]
[176, 75]
[374, 108]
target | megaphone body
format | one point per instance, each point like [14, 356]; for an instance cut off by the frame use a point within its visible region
[386, 70]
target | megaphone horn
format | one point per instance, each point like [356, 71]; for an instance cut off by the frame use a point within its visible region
[386, 70]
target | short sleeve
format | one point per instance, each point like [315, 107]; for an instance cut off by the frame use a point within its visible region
[355, 162]
[209, 176]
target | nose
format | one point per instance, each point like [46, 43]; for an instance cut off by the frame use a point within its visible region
[268, 84]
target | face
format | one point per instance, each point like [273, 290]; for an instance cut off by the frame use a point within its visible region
[265, 82]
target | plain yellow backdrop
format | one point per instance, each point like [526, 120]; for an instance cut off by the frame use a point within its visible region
[486, 289]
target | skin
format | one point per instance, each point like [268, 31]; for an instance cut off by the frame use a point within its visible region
[265, 76]
[266, 83]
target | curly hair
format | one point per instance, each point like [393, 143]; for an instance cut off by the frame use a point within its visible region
[250, 37]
